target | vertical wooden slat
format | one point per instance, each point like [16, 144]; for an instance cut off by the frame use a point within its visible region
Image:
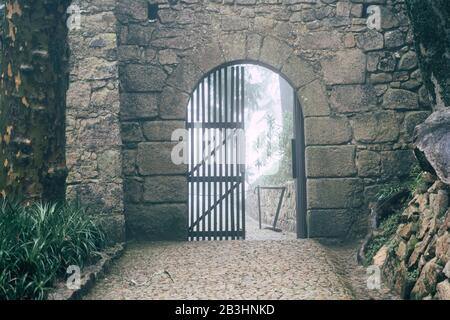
[192, 164]
[197, 149]
[232, 151]
[202, 159]
[209, 155]
[226, 149]
[220, 151]
[215, 156]
[238, 172]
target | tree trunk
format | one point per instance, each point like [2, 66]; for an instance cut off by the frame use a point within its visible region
[33, 86]
[431, 26]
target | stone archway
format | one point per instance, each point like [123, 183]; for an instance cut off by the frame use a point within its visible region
[359, 101]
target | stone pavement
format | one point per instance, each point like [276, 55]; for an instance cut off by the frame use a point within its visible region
[287, 269]
[253, 233]
[269, 266]
[291, 269]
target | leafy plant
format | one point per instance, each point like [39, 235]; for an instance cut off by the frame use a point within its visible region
[410, 183]
[38, 242]
[388, 227]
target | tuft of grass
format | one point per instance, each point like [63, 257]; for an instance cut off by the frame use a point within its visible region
[37, 244]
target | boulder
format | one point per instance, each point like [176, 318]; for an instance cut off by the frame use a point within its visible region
[443, 290]
[432, 138]
[427, 281]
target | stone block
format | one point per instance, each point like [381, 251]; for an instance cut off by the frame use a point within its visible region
[334, 193]
[330, 161]
[274, 52]
[154, 158]
[300, 73]
[397, 163]
[408, 61]
[413, 119]
[173, 104]
[319, 40]
[133, 190]
[394, 39]
[368, 163]
[185, 76]
[136, 10]
[400, 99]
[327, 131]
[377, 127]
[165, 189]
[157, 222]
[345, 67]
[313, 100]
[129, 162]
[142, 78]
[109, 164]
[329, 223]
[161, 130]
[370, 40]
[136, 106]
[131, 132]
[353, 98]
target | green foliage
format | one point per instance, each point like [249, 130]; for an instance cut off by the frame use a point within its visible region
[413, 275]
[277, 140]
[410, 184]
[37, 244]
[388, 227]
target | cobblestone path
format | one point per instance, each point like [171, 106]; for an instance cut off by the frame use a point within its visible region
[289, 269]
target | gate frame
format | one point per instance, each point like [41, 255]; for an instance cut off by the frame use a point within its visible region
[299, 154]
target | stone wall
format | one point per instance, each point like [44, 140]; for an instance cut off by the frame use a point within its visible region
[360, 91]
[416, 262]
[94, 147]
[287, 219]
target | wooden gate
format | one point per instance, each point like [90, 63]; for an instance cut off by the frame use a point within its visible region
[216, 176]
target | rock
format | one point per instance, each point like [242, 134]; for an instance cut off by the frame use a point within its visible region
[327, 130]
[447, 269]
[401, 250]
[401, 99]
[443, 248]
[408, 61]
[352, 70]
[370, 40]
[353, 98]
[433, 139]
[376, 127]
[368, 163]
[393, 39]
[405, 231]
[426, 284]
[324, 161]
[439, 202]
[313, 100]
[334, 193]
[443, 290]
[380, 258]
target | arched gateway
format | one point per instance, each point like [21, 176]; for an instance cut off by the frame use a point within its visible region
[132, 76]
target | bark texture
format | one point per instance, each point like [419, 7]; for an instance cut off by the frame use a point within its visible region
[33, 86]
[431, 25]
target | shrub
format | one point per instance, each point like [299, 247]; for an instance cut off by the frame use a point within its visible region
[38, 242]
